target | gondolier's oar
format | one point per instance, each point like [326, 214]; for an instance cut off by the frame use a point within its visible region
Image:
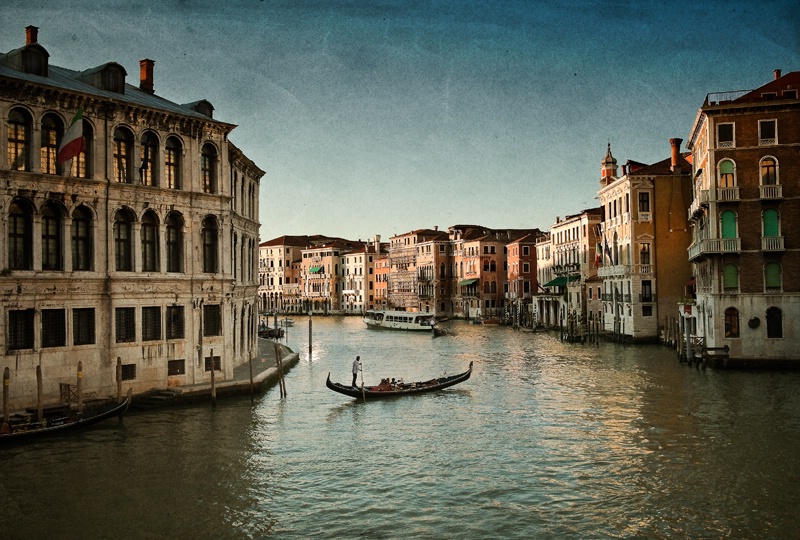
[363, 394]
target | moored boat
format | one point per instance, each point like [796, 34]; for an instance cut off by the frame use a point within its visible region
[399, 320]
[386, 389]
[60, 419]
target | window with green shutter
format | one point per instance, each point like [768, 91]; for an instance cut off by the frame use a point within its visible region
[730, 276]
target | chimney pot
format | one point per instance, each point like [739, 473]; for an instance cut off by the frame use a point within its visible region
[776, 74]
[146, 75]
[676, 152]
[31, 35]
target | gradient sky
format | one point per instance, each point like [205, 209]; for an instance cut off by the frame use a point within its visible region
[385, 116]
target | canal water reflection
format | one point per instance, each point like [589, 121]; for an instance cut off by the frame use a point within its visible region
[546, 440]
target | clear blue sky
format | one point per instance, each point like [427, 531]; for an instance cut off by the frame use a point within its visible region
[386, 116]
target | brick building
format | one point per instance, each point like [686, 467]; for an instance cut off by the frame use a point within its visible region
[746, 241]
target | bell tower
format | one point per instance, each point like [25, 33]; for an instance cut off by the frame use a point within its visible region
[608, 169]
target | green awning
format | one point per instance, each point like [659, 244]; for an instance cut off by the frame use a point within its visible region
[560, 281]
[465, 282]
[314, 269]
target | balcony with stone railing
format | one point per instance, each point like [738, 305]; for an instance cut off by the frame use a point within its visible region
[714, 246]
[771, 191]
[726, 194]
[772, 243]
[698, 203]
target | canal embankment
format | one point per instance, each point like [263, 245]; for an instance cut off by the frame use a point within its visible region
[253, 378]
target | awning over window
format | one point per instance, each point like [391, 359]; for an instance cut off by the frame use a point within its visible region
[314, 269]
[465, 282]
[560, 281]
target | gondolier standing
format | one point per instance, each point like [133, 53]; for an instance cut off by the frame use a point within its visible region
[356, 369]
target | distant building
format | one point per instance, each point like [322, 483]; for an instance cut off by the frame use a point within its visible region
[279, 273]
[745, 248]
[141, 248]
[521, 281]
[645, 235]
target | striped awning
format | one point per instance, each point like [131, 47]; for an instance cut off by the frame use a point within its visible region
[314, 269]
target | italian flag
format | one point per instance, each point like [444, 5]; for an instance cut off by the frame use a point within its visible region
[72, 143]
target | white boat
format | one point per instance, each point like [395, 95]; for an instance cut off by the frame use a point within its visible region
[287, 322]
[399, 320]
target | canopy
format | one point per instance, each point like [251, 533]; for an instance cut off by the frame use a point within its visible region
[465, 282]
[560, 281]
[314, 269]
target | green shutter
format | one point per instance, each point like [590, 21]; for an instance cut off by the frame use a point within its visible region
[772, 275]
[770, 222]
[728, 224]
[730, 276]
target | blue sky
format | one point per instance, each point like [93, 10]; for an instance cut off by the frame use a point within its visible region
[386, 116]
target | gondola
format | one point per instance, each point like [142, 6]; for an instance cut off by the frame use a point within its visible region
[68, 419]
[401, 389]
[438, 331]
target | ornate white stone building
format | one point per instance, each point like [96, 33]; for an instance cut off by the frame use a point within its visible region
[142, 249]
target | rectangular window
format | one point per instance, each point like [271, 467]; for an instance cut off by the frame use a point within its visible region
[151, 323]
[83, 332]
[54, 328]
[125, 324]
[644, 201]
[20, 329]
[644, 254]
[647, 311]
[128, 372]
[174, 322]
[767, 132]
[647, 291]
[176, 367]
[217, 363]
[726, 136]
[212, 320]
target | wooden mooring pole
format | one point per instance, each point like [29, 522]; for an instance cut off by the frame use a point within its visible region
[213, 382]
[309, 337]
[279, 364]
[6, 380]
[119, 379]
[80, 386]
[39, 402]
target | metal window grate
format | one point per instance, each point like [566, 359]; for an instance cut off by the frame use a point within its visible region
[54, 328]
[126, 325]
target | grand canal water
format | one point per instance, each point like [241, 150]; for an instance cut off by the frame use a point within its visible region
[546, 440]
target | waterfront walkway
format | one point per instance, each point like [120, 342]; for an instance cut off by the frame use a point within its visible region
[265, 374]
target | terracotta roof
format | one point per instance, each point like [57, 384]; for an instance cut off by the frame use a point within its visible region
[664, 167]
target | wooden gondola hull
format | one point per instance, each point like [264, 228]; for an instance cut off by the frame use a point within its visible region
[26, 431]
[403, 390]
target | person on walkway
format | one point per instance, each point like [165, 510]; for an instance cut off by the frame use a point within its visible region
[356, 369]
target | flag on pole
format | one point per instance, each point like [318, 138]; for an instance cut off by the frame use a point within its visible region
[598, 254]
[608, 252]
[72, 143]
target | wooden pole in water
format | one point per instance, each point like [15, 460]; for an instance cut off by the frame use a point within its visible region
[6, 380]
[309, 337]
[39, 403]
[213, 382]
[119, 379]
[252, 384]
[80, 386]
[279, 365]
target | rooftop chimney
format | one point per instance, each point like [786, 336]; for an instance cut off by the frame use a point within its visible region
[776, 73]
[146, 75]
[676, 152]
[31, 34]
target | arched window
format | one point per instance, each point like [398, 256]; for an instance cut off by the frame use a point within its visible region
[731, 323]
[52, 225]
[486, 287]
[726, 173]
[492, 266]
[20, 236]
[174, 232]
[52, 131]
[730, 277]
[208, 168]
[728, 219]
[774, 323]
[123, 241]
[20, 127]
[771, 226]
[769, 171]
[82, 244]
[148, 168]
[772, 277]
[82, 163]
[150, 242]
[172, 163]
[210, 239]
[123, 153]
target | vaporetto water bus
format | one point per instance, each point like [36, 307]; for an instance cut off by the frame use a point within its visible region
[399, 320]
